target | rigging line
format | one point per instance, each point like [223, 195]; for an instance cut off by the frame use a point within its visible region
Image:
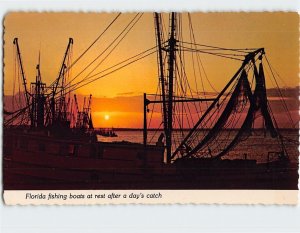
[278, 91]
[188, 85]
[195, 136]
[70, 71]
[279, 138]
[15, 77]
[20, 99]
[214, 144]
[195, 80]
[68, 91]
[118, 64]
[157, 52]
[218, 108]
[277, 74]
[199, 62]
[87, 76]
[183, 106]
[179, 71]
[155, 132]
[215, 54]
[188, 110]
[206, 121]
[74, 86]
[273, 84]
[181, 67]
[160, 82]
[18, 113]
[77, 59]
[244, 50]
[283, 101]
[204, 51]
[111, 71]
[194, 70]
[108, 48]
[182, 102]
[126, 60]
[198, 55]
[210, 115]
[177, 133]
[200, 73]
[157, 89]
[176, 117]
[190, 114]
[182, 75]
[231, 122]
[91, 45]
[180, 97]
[164, 28]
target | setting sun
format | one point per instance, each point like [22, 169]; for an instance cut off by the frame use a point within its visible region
[106, 117]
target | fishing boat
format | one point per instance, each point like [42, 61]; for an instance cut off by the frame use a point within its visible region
[106, 132]
[50, 143]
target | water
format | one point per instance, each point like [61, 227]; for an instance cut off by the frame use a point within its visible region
[131, 136]
[255, 147]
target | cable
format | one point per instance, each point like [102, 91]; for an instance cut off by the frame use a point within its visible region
[87, 76]
[245, 50]
[116, 69]
[280, 93]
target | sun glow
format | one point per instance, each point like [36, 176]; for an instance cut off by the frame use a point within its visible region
[106, 117]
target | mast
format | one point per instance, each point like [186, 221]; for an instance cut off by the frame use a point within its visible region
[38, 99]
[63, 66]
[37, 95]
[166, 85]
[161, 68]
[171, 62]
[77, 112]
[23, 76]
[56, 83]
[145, 120]
[88, 112]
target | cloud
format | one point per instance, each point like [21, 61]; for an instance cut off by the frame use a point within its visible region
[126, 93]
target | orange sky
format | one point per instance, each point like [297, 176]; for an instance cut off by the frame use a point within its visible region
[49, 32]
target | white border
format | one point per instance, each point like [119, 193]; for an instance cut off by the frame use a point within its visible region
[115, 197]
[154, 5]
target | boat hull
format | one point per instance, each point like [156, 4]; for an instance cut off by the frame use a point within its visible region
[40, 162]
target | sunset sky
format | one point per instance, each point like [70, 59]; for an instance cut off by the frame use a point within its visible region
[117, 98]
